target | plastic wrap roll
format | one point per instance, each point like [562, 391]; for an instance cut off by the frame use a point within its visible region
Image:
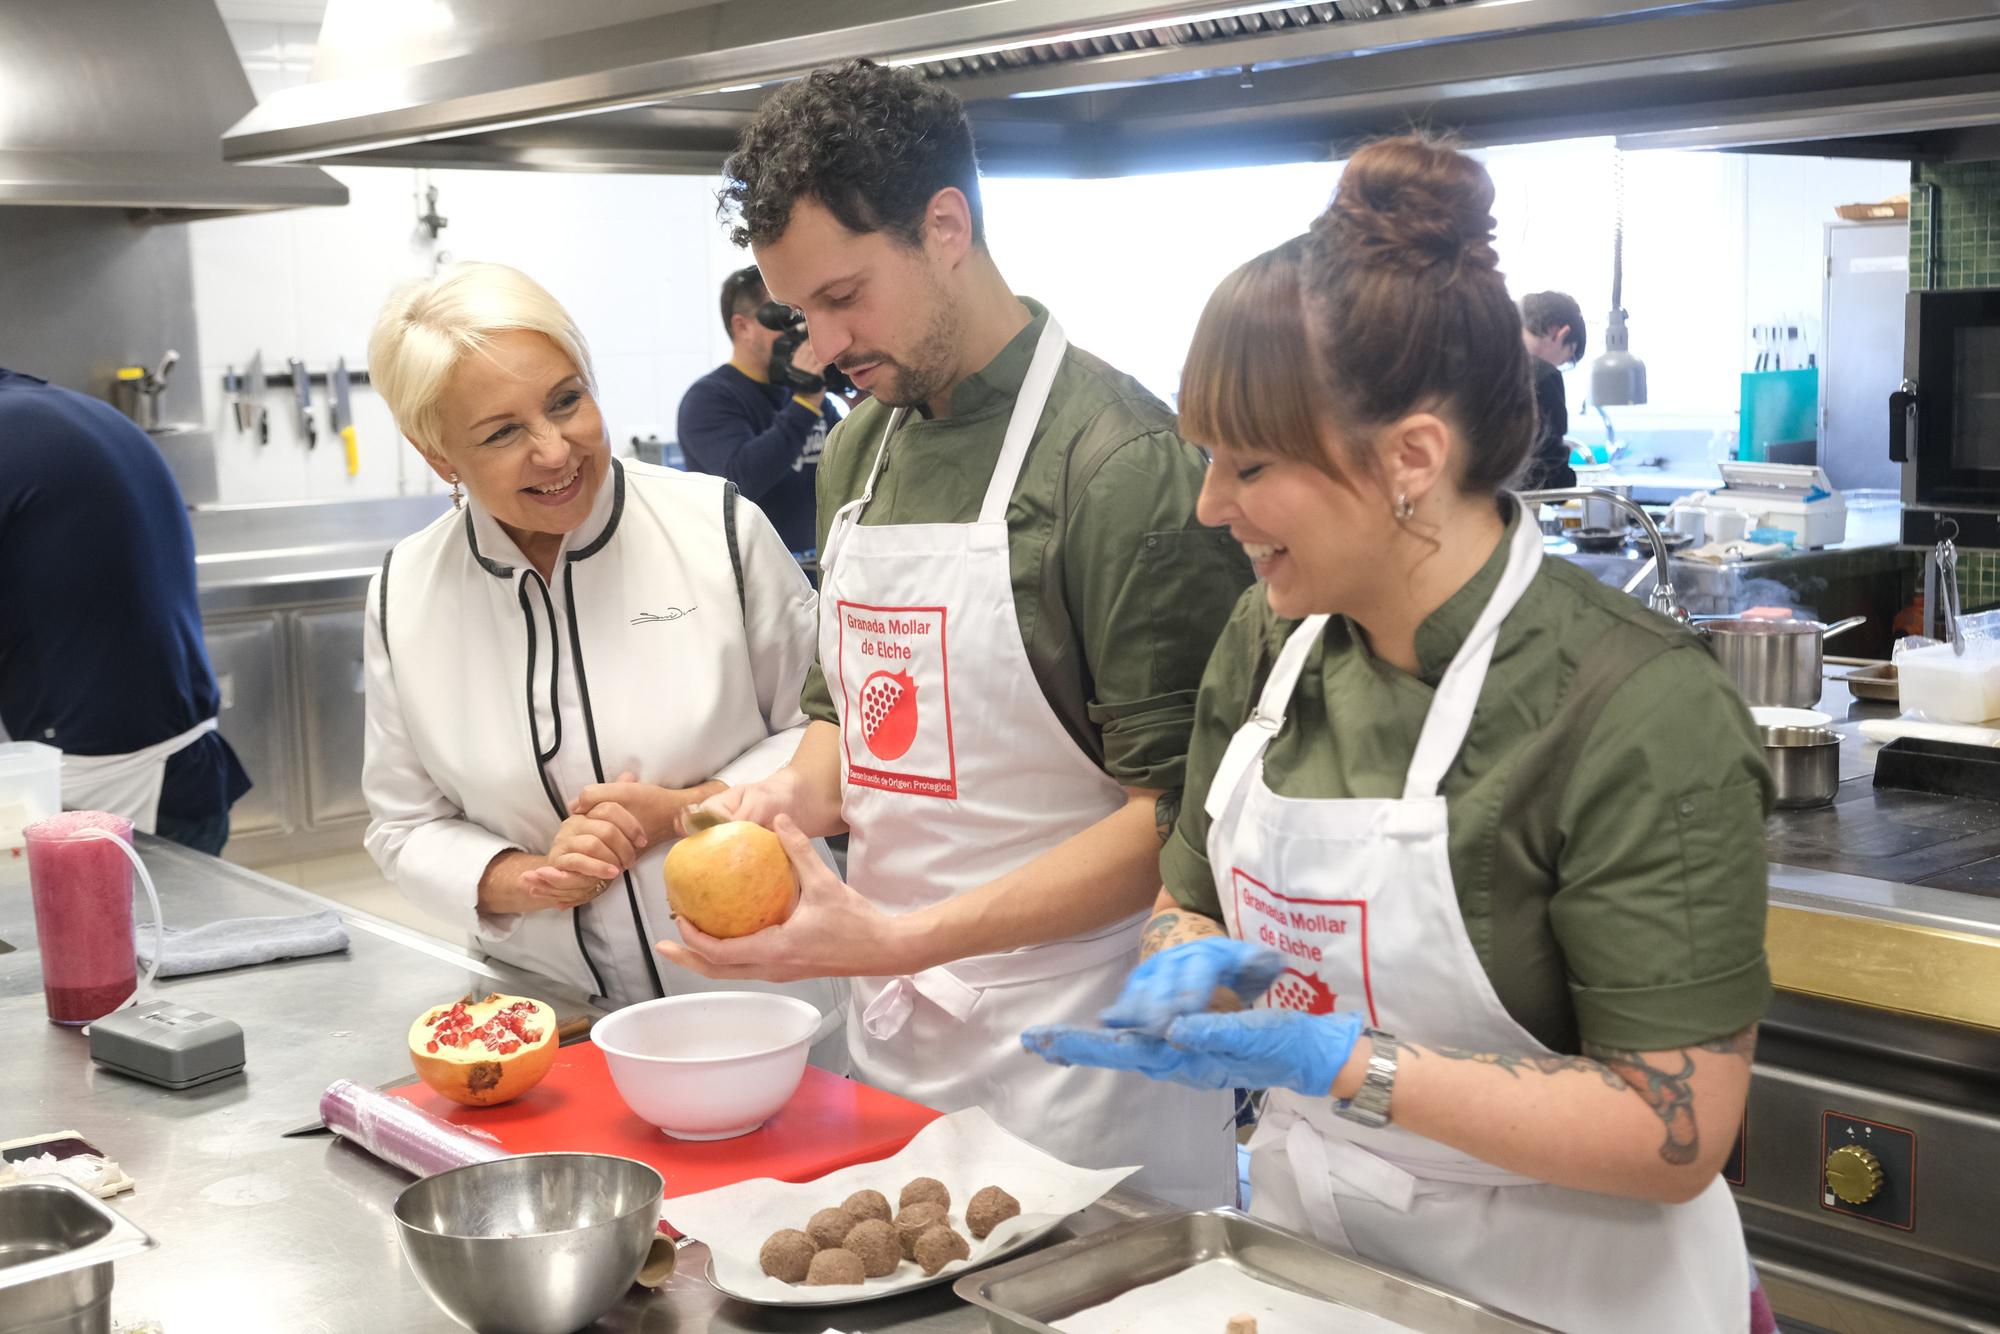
[396, 1132]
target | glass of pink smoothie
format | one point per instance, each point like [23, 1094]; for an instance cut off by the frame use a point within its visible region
[82, 887]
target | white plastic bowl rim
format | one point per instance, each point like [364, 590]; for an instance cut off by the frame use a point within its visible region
[807, 1012]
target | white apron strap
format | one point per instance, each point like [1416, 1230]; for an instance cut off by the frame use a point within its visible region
[1028, 405]
[1450, 716]
[849, 514]
[129, 784]
[955, 987]
[1247, 746]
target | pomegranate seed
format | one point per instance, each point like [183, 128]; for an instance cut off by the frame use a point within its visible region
[430, 1046]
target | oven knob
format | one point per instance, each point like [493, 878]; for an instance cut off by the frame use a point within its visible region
[1853, 1174]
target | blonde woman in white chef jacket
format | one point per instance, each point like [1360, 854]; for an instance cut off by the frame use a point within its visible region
[583, 646]
[1480, 839]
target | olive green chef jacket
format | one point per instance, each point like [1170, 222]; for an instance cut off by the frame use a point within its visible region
[1606, 815]
[1119, 592]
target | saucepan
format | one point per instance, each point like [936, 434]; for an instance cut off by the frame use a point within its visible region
[1772, 662]
[1805, 765]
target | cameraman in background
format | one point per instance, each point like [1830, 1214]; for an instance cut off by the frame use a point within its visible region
[762, 418]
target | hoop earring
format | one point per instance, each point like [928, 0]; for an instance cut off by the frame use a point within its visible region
[457, 495]
[1405, 509]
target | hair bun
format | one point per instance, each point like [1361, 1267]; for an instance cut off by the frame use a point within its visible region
[1412, 204]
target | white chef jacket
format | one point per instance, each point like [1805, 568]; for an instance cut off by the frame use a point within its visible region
[671, 642]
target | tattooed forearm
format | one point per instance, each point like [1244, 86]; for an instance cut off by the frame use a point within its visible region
[1174, 927]
[1166, 813]
[1670, 1093]
[1515, 1062]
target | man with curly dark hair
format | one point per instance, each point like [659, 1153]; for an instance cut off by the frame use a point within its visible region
[1017, 606]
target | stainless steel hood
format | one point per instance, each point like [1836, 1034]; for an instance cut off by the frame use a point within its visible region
[122, 103]
[1107, 87]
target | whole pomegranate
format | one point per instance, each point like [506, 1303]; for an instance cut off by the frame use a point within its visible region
[731, 880]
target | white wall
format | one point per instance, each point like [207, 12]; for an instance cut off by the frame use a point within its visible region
[637, 259]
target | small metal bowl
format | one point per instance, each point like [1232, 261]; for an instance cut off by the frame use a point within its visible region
[540, 1243]
[1804, 763]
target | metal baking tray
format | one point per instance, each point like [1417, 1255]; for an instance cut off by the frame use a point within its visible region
[1877, 683]
[1028, 1295]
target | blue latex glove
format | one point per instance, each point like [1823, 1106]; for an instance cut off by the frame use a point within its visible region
[1181, 980]
[1249, 1049]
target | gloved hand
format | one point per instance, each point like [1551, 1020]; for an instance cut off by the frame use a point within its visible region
[1249, 1049]
[1180, 981]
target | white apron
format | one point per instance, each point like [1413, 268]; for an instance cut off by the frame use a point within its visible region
[955, 771]
[127, 785]
[1358, 895]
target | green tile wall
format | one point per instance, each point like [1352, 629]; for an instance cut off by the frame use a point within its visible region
[1969, 256]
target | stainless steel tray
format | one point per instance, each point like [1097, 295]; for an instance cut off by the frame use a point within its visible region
[1026, 1296]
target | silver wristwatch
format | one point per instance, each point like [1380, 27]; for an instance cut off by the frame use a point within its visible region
[1370, 1104]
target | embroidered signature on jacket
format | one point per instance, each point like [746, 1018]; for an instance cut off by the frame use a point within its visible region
[661, 617]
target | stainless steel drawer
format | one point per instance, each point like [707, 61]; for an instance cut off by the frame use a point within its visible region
[255, 718]
[332, 682]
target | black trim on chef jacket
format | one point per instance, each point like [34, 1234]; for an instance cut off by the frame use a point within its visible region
[382, 606]
[502, 571]
[735, 555]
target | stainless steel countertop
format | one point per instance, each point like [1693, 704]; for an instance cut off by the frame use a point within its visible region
[259, 1233]
[1829, 887]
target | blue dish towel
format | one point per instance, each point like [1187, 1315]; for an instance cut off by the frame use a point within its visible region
[241, 941]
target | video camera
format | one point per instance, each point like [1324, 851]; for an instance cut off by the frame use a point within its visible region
[791, 330]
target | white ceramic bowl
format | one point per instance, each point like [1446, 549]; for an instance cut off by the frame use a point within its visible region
[712, 1065]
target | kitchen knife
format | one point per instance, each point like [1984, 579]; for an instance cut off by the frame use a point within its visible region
[302, 398]
[259, 412]
[343, 416]
[573, 1029]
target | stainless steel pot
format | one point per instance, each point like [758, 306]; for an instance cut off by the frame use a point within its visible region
[1772, 662]
[1805, 764]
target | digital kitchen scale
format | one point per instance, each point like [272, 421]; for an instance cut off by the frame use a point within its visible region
[167, 1044]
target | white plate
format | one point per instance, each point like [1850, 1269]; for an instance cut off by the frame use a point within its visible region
[907, 1278]
[965, 1150]
[1766, 716]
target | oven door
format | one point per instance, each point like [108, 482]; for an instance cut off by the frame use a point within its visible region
[1952, 457]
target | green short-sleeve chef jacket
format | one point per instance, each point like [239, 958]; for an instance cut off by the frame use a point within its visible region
[1606, 815]
[1119, 592]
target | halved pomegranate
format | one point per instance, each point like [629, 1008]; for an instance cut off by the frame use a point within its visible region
[484, 1052]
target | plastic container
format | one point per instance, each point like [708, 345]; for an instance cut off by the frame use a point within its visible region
[30, 788]
[1947, 688]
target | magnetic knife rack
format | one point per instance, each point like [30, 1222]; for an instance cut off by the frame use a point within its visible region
[283, 379]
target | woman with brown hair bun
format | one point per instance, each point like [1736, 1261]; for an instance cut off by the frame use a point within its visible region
[1481, 840]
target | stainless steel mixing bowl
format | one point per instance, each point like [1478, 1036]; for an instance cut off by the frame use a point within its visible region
[540, 1243]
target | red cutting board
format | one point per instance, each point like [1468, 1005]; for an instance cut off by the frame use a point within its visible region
[830, 1123]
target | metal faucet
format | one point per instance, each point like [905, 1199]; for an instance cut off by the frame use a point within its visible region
[1663, 598]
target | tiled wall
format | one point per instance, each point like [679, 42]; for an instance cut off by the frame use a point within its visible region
[1969, 256]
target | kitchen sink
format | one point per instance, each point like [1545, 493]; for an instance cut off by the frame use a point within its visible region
[57, 1245]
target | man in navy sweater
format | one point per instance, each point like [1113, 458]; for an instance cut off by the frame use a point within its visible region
[101, 652]
[736, 423]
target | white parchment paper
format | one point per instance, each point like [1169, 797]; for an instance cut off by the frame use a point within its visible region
[1201, 1299]
[966, 1151]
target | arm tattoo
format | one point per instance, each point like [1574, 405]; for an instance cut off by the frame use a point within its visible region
[1668, 1092]
[1174, 927]
[1166, 814]
[1514, 1062]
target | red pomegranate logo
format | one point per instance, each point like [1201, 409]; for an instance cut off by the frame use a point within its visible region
[888, 714]
[1295, 990]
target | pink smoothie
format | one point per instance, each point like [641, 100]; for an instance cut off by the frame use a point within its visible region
[83, 914]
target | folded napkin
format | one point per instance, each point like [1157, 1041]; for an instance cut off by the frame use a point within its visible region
[241, 941]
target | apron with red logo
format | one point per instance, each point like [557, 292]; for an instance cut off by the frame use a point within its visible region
[1357, 895]
[955, 771]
